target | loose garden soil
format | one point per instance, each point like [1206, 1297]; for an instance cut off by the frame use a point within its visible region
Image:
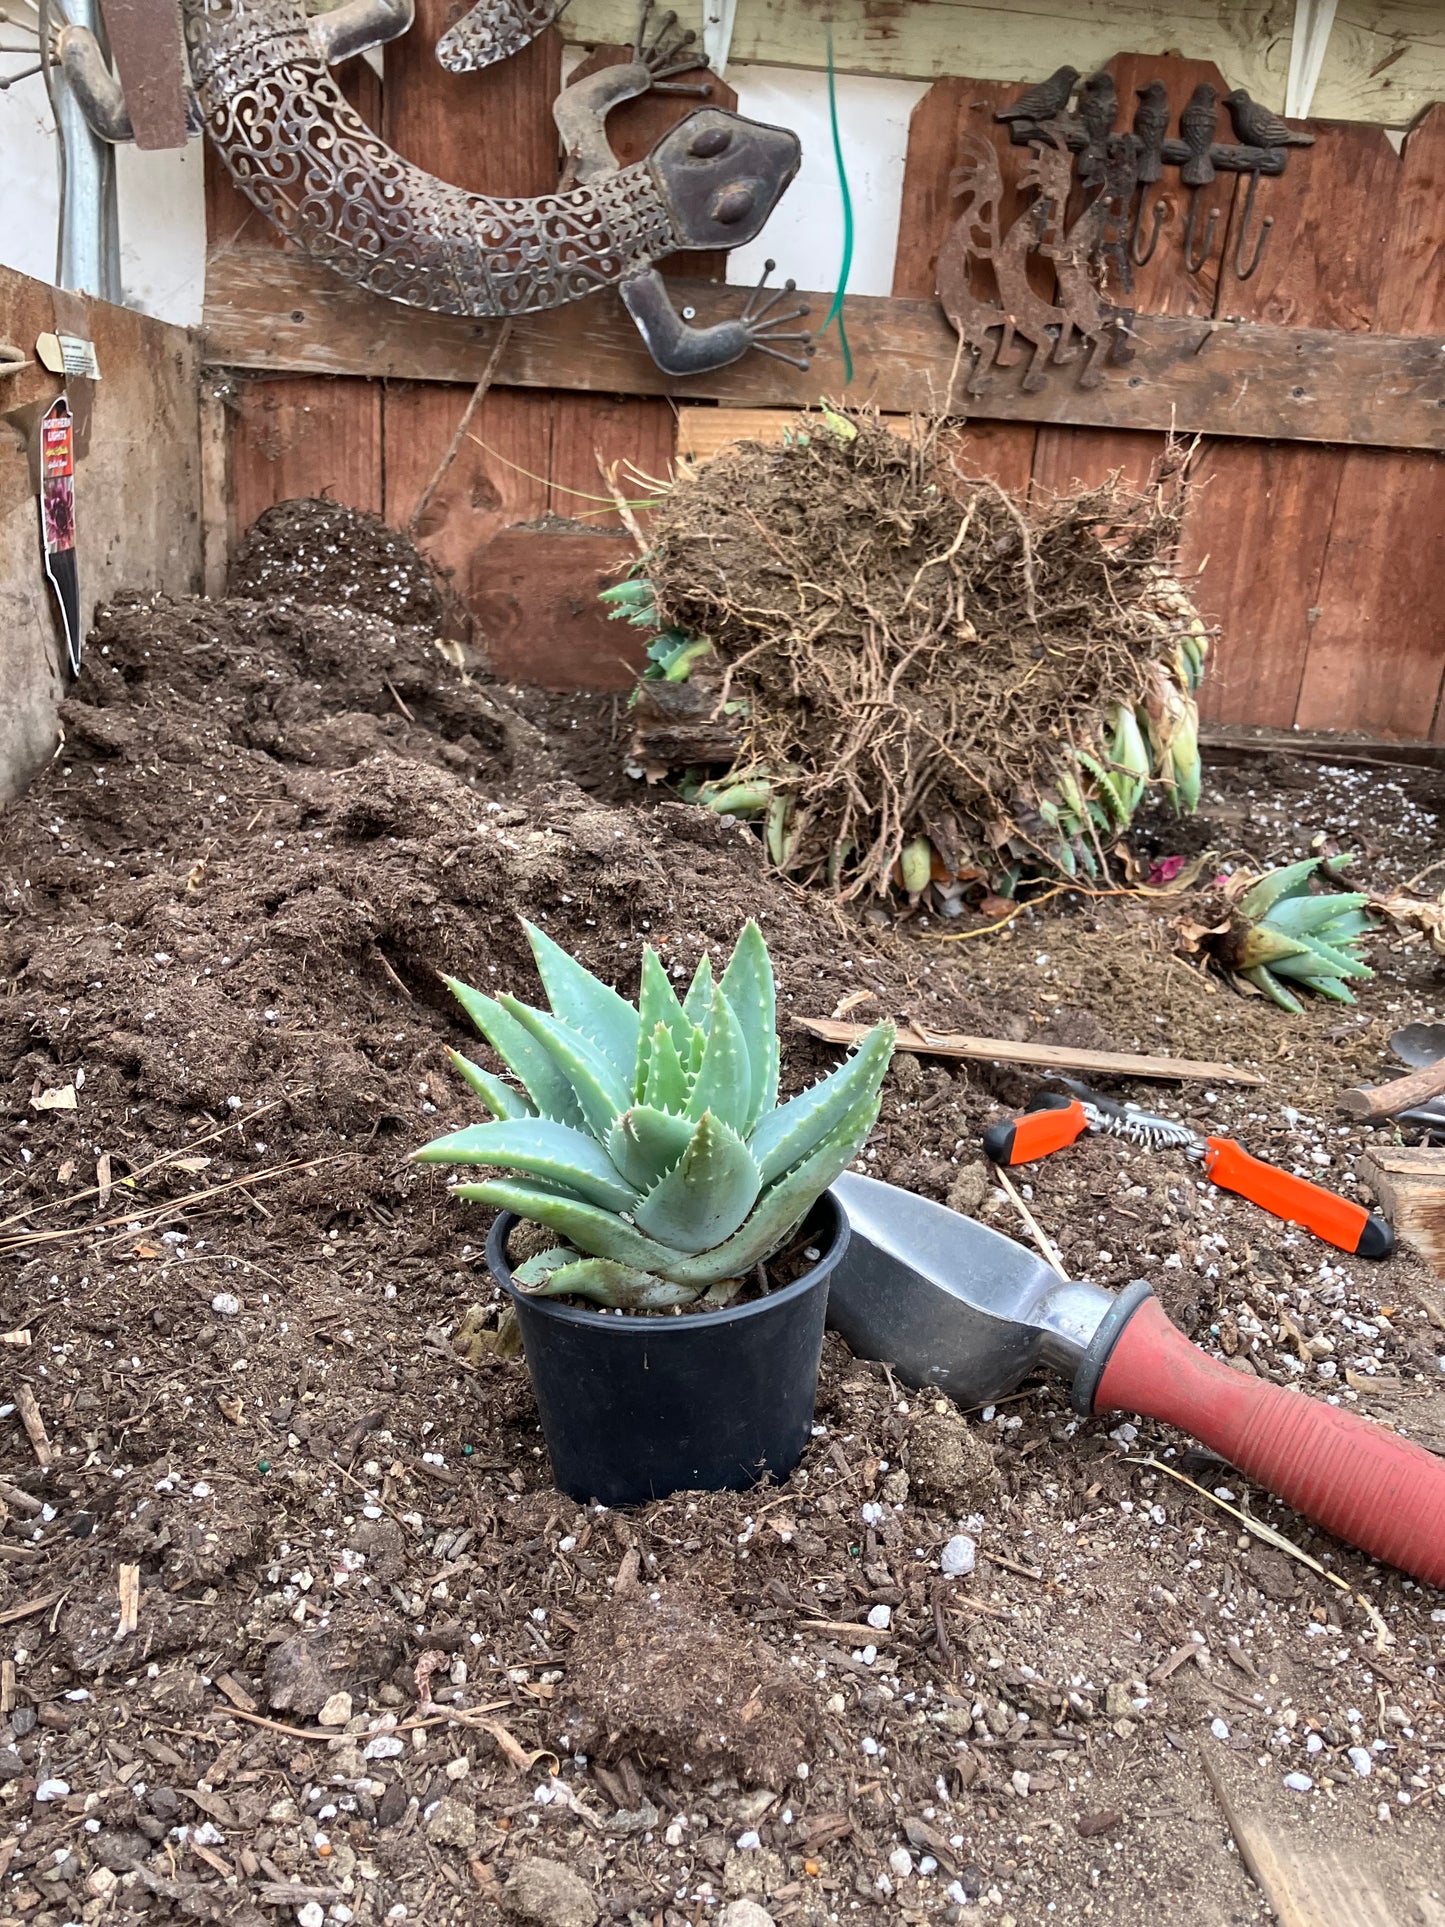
[373, 1667]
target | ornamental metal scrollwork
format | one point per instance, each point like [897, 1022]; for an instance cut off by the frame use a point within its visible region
[302, 154]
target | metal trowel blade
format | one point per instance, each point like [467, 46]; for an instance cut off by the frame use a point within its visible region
[946, 1301]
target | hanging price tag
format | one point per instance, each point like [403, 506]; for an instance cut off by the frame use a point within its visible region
[57, 519]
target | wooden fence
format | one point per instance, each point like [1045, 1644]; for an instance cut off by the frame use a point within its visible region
[1320, 560]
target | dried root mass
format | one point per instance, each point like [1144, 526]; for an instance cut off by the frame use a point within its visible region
[939, 687]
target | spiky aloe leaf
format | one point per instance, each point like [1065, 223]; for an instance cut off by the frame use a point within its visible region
[542, 1149]
[1305, 916]
[600, 1091]
[657, 1004]
[797, 1127]
[645, 1143]
[668, 1079]
[591, 1008]
[1265, 980]
[707, 1194]
[1331, 987]
[748, 985]
[1290, 881]
[1346, 931]
[1320, 960]
[1108, 788]
[500, 1099]
[698, 1001]
[524, 1057]
[618, 1287]
[1263, 945]
[724, 1080]
[600, 1233]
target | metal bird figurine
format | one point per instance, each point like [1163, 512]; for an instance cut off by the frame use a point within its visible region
[1196, 125]
[1098, 104]
[1196, 128]
[1050, 97]
[1151, 124]
[1256, 126]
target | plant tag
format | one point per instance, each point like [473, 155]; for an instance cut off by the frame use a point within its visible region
[67, 355]
[57, 519]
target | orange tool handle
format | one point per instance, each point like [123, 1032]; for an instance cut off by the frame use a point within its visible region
[1020, 1140]
[1378, 1492]
[1297, 1201]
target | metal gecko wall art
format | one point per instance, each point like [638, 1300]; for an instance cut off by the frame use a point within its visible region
[1079, 160]
[303, 155]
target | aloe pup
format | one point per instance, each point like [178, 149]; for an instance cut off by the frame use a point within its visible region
[650, 1138]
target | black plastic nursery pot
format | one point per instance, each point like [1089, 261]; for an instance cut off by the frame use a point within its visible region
[636, 1408]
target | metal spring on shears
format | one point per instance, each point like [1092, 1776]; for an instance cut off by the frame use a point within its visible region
[1154, 1133]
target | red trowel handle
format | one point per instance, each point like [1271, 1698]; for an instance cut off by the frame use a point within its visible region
[1379, 1492]
[1297, 1201]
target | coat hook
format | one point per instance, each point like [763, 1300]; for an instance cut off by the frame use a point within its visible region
[1190, 262]
[1241, 272]
[1161, 210]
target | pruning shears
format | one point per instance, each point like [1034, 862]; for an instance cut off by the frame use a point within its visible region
[1056, 1119]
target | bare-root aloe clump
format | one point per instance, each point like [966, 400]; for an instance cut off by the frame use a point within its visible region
[931, 685]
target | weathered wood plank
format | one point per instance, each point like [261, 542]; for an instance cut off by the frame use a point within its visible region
[533, 595]
[306, 435]
[1375, 659]
[1384, 61]
[1410, 1186]
[273, 313]
[1264, 517]
[1003, 451]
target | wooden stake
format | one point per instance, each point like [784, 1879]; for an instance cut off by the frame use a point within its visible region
[1053, 1057]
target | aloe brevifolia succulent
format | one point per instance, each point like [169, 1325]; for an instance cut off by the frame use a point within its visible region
[650, 1138]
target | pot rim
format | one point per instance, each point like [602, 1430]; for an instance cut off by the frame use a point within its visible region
[834, 1244]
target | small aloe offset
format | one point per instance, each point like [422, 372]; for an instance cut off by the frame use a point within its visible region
[651, 1138]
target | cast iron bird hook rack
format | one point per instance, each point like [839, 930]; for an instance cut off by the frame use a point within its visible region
[1260, 148]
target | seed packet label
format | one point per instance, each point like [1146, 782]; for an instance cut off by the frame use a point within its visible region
[57, 520]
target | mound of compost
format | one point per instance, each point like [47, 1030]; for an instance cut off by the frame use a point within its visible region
[921, 656]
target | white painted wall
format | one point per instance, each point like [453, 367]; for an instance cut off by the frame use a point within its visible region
[805, 235]
[162, 210]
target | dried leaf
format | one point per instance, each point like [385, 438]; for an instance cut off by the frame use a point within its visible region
[62, 1099]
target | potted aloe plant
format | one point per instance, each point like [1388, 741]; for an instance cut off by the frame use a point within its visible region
[673, 1320]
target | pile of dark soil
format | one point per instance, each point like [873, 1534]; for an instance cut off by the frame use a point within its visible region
[296, 1627]
[316, 551]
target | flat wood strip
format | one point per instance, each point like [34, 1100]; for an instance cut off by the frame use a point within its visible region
[1410, 1186]
[1241, 379]
[1058, 1057]
[1307, 1885]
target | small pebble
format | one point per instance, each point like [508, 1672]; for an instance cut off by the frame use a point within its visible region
[53, 1790]
[900, 1863]
[1360, 1760]
[311, 1915]
[880, 1618]
[1219, 1729]
[1298, 1782]
[750, 1841]
[226, 1304]
[336, 1711]
[385, 1746]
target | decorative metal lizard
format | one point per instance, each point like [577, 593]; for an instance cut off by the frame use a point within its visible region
[299, 150]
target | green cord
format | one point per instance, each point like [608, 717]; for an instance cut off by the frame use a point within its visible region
[835, 313]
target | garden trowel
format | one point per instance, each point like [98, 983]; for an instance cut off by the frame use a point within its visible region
[952, 1305]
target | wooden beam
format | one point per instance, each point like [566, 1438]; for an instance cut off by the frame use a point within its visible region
[1409, 1185]
[1227, 744]
[281, 314]
[1050, 1057]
